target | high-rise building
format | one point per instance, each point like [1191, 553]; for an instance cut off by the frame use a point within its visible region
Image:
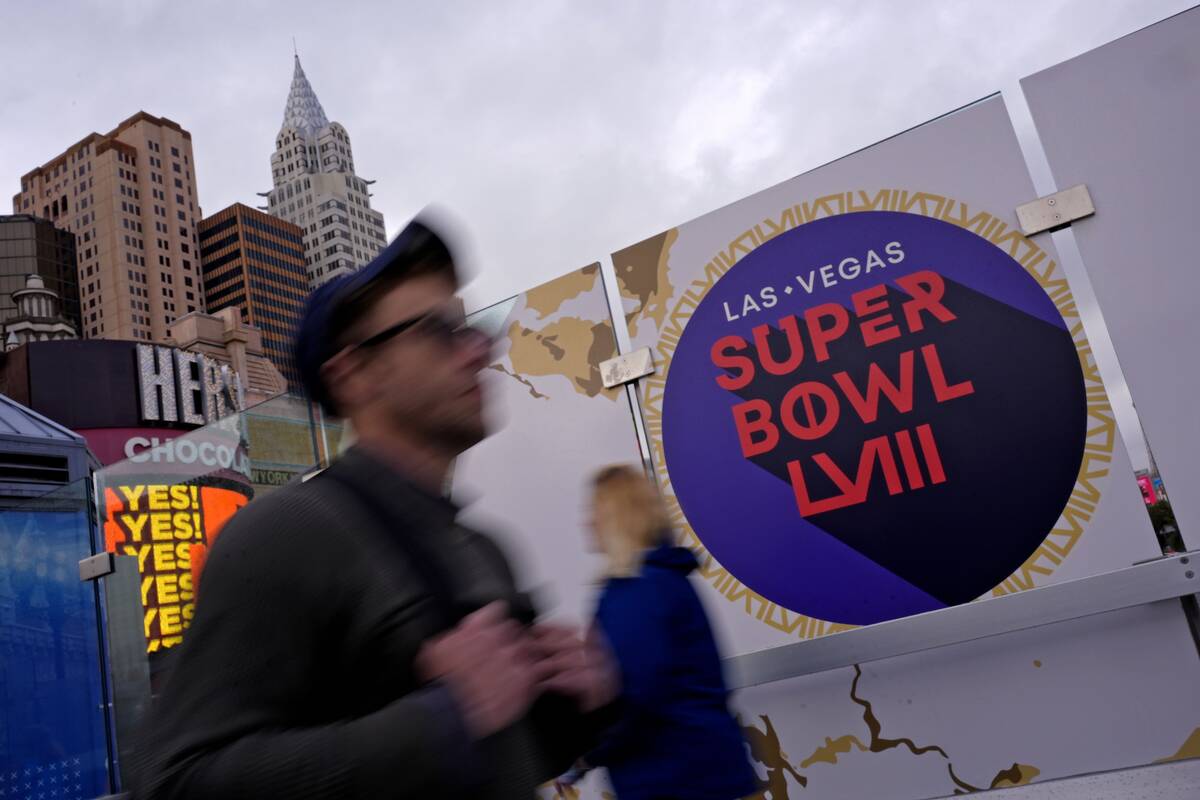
[129, 196]
[316, 188]
[32, 246]
[255, 263]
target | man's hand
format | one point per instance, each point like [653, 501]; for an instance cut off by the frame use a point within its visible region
[488, 663]
[576, 667]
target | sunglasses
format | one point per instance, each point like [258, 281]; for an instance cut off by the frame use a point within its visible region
[440, 325]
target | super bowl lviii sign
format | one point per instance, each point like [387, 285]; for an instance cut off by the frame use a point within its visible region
[874, 414]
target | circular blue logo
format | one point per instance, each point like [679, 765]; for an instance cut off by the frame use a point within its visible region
[874, 415]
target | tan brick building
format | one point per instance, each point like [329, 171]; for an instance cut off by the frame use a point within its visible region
[129, 196]
[226, 339]
[254, 262]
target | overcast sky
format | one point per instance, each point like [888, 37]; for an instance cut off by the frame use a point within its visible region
[556, 131]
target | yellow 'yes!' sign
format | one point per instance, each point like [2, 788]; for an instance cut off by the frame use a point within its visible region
[169, 529]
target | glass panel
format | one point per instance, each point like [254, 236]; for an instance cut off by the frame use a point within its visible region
[284, 440]
[128, 662]
[164, 507]
[52, 724]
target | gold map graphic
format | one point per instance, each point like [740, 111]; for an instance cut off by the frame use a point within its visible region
[779, 777]
[549, 297]
[571, 347]
[1189, 749]
[642, 275]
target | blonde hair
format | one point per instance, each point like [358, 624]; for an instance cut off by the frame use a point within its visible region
[630, 517]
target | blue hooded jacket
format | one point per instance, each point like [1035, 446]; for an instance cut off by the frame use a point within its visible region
[676, 737]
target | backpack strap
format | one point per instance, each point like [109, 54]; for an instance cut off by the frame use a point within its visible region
[391, 533]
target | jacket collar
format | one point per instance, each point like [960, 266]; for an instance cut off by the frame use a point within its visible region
[671, 557]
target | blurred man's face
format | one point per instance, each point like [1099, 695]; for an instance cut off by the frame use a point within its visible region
[424, 379]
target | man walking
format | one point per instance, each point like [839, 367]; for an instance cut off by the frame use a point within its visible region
[351, 639]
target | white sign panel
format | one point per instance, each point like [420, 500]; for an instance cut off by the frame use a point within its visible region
[1124, 119]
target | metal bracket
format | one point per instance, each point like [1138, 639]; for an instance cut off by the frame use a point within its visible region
[627, 368]
[1161, 579]
[1056, 210]
[96, 566]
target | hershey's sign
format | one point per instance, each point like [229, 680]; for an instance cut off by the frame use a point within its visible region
[177, 386]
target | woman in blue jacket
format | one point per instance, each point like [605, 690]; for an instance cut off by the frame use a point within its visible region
[676, 738]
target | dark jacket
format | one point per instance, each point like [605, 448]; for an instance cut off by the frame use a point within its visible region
[296, 677]
[676, 737]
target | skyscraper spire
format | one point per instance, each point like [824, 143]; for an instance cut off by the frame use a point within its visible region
[303, 110]
[316, 187]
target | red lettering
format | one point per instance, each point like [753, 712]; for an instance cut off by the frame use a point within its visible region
[722, 359]
[821, 337]
[746, 427]
[926, 288]
[874, 331]
[762, 344]
[933, 459]
[854, 491]
[942, 391]
[877, 382]
[908, 456]
[814, 429]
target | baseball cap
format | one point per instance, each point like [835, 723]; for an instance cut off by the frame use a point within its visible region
[321, 326]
